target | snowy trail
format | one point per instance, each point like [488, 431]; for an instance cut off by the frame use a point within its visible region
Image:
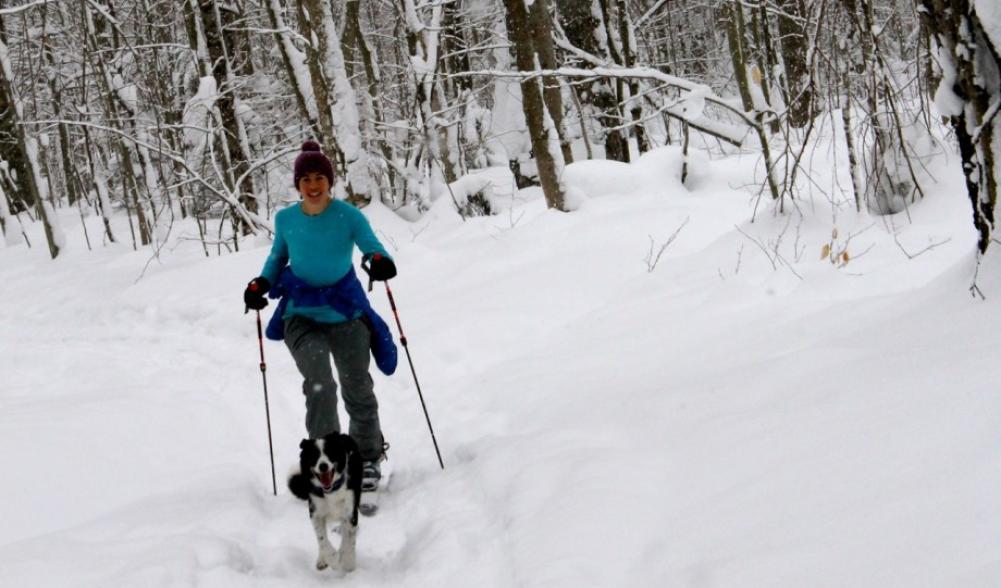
[715, 422]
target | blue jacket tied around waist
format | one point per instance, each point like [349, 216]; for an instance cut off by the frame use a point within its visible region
[346, 296]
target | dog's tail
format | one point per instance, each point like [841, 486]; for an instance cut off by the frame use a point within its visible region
[300, 485]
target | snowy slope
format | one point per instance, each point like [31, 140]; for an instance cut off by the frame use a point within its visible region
[716, 421]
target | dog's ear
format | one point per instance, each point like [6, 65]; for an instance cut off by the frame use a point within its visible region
[308, 452]
[300, 486]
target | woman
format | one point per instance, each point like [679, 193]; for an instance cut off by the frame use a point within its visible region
[324, 311]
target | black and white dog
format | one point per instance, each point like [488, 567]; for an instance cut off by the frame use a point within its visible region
[329, 477]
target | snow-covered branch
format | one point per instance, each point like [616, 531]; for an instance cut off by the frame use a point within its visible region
[642, 73]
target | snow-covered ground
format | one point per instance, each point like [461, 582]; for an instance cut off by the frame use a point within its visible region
[728, 418]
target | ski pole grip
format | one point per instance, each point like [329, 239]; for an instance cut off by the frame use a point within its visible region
[366, 265]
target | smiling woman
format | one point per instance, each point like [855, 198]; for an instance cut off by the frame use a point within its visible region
[313, 175]
[324, 311]
[315, 192]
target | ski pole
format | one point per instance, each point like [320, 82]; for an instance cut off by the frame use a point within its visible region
[403, 340]
[267, 410]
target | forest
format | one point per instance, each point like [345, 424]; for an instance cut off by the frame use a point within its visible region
[696, 293]
[191, 111]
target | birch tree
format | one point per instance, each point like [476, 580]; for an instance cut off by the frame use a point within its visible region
[966, 36]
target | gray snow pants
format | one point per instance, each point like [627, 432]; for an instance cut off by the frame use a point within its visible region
[311, 344]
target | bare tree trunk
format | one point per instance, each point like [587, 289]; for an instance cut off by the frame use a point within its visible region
[423, 48]
[294, 62]
[854, 168]
[581, 22]
[63, 132]
[130, 185]
[29, 152]
[335, 99]
[236, 158]
[319, 86]
[733, 14]
[970, 60]
[97, 172]
[534, 106]
[733, 17]
[766, 59]
[629, 60]
[542, 38]
[10, 149]
[355, 37]
[4, 215]
[792, 34]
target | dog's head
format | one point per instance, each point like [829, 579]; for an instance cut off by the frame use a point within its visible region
[325, 460]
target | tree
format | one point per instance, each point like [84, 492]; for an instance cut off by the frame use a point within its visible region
[236, 152]
[585, 29]
[793, 40]
[970, 95]
[28, 148]
[540, 124]
[335, 98]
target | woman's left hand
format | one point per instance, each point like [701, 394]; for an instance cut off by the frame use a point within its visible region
[381, 268]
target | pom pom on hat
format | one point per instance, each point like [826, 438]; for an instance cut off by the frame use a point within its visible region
[312, 159]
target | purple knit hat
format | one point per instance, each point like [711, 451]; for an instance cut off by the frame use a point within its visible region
[312, 159]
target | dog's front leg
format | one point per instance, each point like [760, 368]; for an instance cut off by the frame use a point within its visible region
[327, 555]
[349, 533]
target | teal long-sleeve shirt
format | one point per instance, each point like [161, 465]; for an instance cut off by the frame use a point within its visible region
[319, 250]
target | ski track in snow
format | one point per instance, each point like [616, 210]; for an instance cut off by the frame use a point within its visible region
[714, 422]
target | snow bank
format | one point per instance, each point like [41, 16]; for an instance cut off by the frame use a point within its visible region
[657, 172]
[495, 184]
[723, 420]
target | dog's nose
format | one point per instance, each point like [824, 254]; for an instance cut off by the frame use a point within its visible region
[323, 467]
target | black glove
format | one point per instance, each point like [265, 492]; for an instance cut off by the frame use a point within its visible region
[253, 296]
[381, 268]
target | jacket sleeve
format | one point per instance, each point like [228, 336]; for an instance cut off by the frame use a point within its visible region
[279, 254]
[364, 237]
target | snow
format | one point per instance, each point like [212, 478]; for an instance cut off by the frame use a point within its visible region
[656, 173]
[714, 422]
[755, 89]
[197, 116]
[946, 101]
[989, 13]
[507, 131]
[128, 93]
[694, 103]
[495, 183]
